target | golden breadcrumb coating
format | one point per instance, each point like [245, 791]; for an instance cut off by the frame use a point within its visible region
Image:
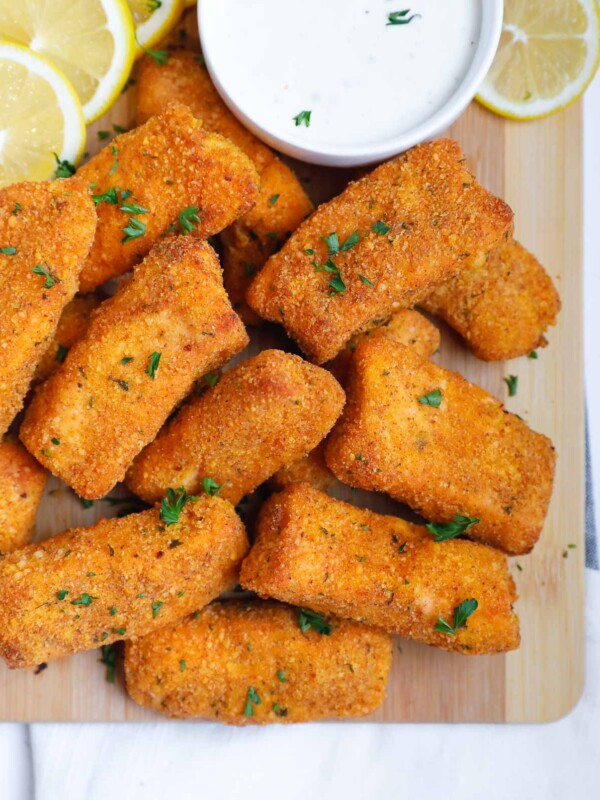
[168, 325]
[72, 325]
[247, 662]
[264, 413]
[467, 457]
[22, 483]
[167, 165]
[312, 550]
[121, 578]
[501, 306]
[282, 203]
[419, 217]
[406, 327]
[309, 469]
[47, 227]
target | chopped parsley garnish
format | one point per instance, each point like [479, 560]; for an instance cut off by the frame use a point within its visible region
[119, 128]
[366, 280]
[249, 270]
[61, 353]
[153, 5]
[211, 487]
[85, 600]
[380, 227]
[211, 378]
[134, 229]
[461, 614]
[251, 698]
[103, 135]
[133, 208]
[336, 284]
[153, 362]
[8, 251]
[126, 359]
[113, 611]
[309, 251]
[119, 631]
[310, 619]
[303, 118]
[159, 56]
[512, 382]
[449, 530]
[156, 606]
[172, 505]
[281, 676]
[433, 398]
[51, 279]
[111, 197]
[108, 658]
[64, 169]
[115, 166]
[273, 199]
[401, 17]
[188, 219]
[333, 243]
[182, 665]
[533, 354]
[16, 208]
[54, 440]
[62, 594]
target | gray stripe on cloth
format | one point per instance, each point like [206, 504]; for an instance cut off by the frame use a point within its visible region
[591, 538]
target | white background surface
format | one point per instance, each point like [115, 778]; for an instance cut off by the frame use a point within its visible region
[421, 762]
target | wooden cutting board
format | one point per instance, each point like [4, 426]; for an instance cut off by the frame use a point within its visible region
[536, 167]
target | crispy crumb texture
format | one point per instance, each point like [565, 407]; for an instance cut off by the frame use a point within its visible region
[315, 551]
[261, 415]
[282, 203]
[469, 456]
[121, 578]
[50, 226]
[249, 663]
[501, 305]
[167, 165]
[419, 218]
[165, 327]
[22, 482]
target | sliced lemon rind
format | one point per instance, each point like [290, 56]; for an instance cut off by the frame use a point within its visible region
[74, 136]
[537, 108]
[120, 24]
[158, 25]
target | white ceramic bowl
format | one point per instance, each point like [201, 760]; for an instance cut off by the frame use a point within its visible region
[378, 150]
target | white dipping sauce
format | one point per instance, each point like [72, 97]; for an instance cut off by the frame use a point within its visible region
[362, 80]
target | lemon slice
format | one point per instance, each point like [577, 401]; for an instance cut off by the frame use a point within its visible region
[40, 114]
[189, 3]
[91, 41]
[154, 19]
[548, 54]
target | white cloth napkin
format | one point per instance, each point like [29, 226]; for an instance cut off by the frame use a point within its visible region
[466, 762]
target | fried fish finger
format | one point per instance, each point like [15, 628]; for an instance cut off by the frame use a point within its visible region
[333, 558]
[264, 413]
[444, 446]
[72, 325]
[147, 178]
[168, 325]
[46, 231]
[282, 203]
[250, 663]
[121, 578]
[22, 483]
[383, 244]
[501, 306]
[406, 327]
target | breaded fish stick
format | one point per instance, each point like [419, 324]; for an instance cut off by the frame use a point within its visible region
[46, 230]
[383, 244]
[309, 469]
[22, 482]
[121, 578]
[264, 413]
[147, 178]
[331, 557]
[501, 306]
[444, 446]
[168, 325]
[282, 203]
[249, 663]
[406, 327]
[72, 325]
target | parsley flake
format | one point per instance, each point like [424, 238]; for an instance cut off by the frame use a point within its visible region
[211, 487]
[311, 619]
[380, 227]
[273, 199]
[85, 600]
[281, 676]
[51, 279]
[401, 17]
[303, 118]
[62, 594]
[211, 379]
[449, 530]
[8, 251]
[188, 219]
[64, 169]
[512, 382]
[153, 362]
[251, 698]
[108, 658]
[172, 505]
[160, 57]
[111, 197]
[133, 230]
[366, 280]
[461, 614]
[433, 398]
[156, 606]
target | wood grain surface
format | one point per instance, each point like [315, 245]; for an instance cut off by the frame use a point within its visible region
[536, 167]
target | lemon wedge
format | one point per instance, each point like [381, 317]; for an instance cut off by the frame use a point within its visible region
[40, 114]
[153, 20]
[548, 53]
[91, 41]
[189, 3]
